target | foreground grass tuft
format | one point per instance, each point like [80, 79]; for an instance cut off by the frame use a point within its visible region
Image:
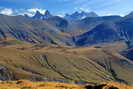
[25, 84]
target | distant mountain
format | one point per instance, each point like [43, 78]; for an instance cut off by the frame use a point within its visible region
[128, 54]
[58, 30]
[38, 15]
[58, 22]
[46, 15]
[106, 29]
[91, 22]
[80, 15]
[104, 32]
[32, 30]
[130, 15]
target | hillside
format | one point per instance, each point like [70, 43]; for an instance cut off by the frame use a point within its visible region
[105, 32]
[60, 31]
[93, 49]
[40, 62]
[31, 30]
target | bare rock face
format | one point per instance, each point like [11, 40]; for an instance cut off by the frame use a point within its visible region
[47, 14]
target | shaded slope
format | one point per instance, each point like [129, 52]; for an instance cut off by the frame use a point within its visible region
[128, 53]
[106, 29]
[89, 23]
[105, 32]
[125, 28]
[58, 22]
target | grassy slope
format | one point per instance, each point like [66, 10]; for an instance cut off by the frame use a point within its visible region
[114, 63]
[65, 63]
[31, 30]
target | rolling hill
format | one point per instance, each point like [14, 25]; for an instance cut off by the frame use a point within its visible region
[87, 64]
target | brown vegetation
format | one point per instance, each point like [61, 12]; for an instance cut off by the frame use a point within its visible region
[25, 84]
[86, 64]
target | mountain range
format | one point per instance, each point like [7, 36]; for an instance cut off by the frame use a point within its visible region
[59, 30]
[80, 15]
[79, 47]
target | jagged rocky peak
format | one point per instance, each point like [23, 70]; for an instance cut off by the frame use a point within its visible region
[80, 15]
[38, 15]
[47, 14]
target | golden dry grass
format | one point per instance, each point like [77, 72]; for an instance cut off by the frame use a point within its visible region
[85, 67]
[76, 63]
[25, 84]
[117, 85]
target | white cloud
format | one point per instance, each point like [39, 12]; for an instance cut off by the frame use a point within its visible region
[60, 15]
[30, 11]
[33, 10]
[84, 9]
[36, 9]
[111, 14]
[6, 11]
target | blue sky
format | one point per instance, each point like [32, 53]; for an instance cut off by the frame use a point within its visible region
[60, 7]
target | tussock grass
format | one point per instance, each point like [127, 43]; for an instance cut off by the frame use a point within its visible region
[25, 84]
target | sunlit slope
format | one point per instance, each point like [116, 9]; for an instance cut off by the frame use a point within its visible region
[24, 84]
[31, 30]
[113, 62]
[64, 63]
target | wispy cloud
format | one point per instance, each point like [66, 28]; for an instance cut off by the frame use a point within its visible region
[68, 6]
[82, 9]
[33, 10]
[30, 11]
